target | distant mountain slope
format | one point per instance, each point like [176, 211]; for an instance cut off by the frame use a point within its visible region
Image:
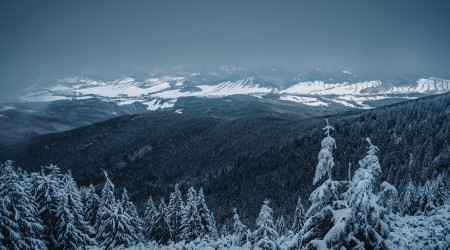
[163, 92]
[24, 120]
[228, 92]
[243, 161]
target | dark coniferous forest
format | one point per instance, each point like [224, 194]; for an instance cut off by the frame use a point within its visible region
[375, 179]
[224, 125]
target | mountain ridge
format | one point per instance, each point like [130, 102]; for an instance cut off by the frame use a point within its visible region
[151, 152]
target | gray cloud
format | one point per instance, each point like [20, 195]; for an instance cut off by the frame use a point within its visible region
[44, 40]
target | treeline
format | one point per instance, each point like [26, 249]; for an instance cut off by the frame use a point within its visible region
[269, 158]
[46, 209]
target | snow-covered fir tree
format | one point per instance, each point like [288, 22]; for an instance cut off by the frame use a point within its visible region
[20, 228]
[266, 234]
[324, 199]
[130, 209]
[116, 230]
[299, 217]
[328, 192]
[223, 231]
[440, 189]
[83, 195]
[71, 228]
[176, 211]
[213, 220]
[409, 205]
[91, 206]
[150, 216]
[107, 203]
[208, 228]
[191, 226]
[427, 197]
[389, 197]
[46, 188]
[114, 226]
[162, 233]
[367, 226]
[281, 225]
[239, 230]
[326, 161]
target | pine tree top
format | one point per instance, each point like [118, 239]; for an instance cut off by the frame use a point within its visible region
[327, 128]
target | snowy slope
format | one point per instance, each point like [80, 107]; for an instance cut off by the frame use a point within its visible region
[421, 231]
[164, 91]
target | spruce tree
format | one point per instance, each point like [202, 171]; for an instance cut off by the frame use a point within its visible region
[107, 202]
[150, 216]
[319, 217]
[325, 194]
[223, 231]
[206, 222]
[299, 217]
[368, 225]
[162, 232]
[116, 230]
[214, 234]
[265, 234]
[440, 190]
[72, 231]
[281, 225]
[47, 189]
[409, 204]
[92, 204]
[239, 229]
[130, 209]
[427, 200]
[83, 195]
[191, 223]
[20, 228]
[388, 197]
[176, 211]
[108, 213]
[326, 161]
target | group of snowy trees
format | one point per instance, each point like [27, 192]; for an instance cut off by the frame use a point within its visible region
[423, 199]
[350, 214]
[178, 220]
[41, 210]
[47, 210]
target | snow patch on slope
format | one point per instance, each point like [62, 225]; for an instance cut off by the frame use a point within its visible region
[159, 104]
[163, 92]
[322, 88]
[423, 86]
[422, 232]
[311, 101]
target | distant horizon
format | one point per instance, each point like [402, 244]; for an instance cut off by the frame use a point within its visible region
[47, 40]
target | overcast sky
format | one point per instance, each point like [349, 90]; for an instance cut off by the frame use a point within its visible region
[44, 40]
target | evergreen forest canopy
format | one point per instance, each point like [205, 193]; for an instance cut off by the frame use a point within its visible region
[269, 158]
[46, 209]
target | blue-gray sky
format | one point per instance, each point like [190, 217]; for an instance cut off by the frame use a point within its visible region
[44, 40]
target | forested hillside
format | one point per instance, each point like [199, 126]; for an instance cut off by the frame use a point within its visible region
[242, 162]
[47, 210]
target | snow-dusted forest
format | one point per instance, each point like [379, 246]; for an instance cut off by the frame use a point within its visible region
[47, 210]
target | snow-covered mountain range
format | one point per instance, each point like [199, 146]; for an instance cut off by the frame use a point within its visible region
[163, 92]
[227, 92]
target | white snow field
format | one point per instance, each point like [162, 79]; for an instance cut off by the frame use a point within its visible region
[422, 231]
[163, 92]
